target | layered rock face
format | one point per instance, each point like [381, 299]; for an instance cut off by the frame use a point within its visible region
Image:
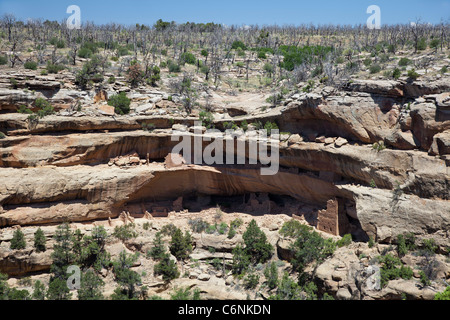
[371, 159]
[58, 169]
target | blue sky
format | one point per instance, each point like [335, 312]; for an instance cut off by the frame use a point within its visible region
[237, 12]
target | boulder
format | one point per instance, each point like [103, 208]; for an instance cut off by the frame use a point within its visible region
[441, 144]
[340, 142]
[106, 110]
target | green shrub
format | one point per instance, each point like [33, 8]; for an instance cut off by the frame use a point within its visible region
[185, 294]
[405, 243]
[309, 247]
[275, 99]
[422, 44]
[155, 76]
[127, 279]
[429, 247]
[371, 242]
[168, 229]
[375, 68]
[205, 69]
[268, 67]
[238, 45]
[294, 56]
[40, 241]
[271, 275]
[181, 245]
[58, 290]
[379, 146]
[435, 43]
[222, 228]
[90, 287]
[90, 72]
[424, 280]
[167, 268]
[412, 74]
[173, 67]
[120, 102]
[125, 232]
[403, 62]
[54, 68]
[251, 281]
[18, 240]
[309, 87]
[157, 251]
[445, 295]
[198, 225]
[188, 57]
[207, 119]
[122, 51]
[367, 62]
[256, 245]
[344, 241]
[85, 53]
[292, 228]
[30, 65]
[392, 268]
[288, 289]
[38, 291]
[44, 108]
[396, 73]
[3, 60]
[384, 57]
[241, 260]
[24, 110]
[14, 83]
[59, 43]
[240, 52]
[269, 126]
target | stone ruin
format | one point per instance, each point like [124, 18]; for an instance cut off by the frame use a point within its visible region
[174, 160]
[131, 159]
[159, 209]
[260, 203]
[333, 219]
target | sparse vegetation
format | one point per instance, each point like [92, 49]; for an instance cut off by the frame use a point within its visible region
[125, 232]
[284, 78]
[31, 65]
[392, 268]
[40, 240]
[18, 240]
[121, 103]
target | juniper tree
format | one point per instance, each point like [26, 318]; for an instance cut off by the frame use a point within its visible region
[167, 268]
[18, 240]
[181, 245]
[256, 245]
[90, 287]
[40, 241]
[157, 251]
[38, 291]
[62, 254]
[128, 280]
